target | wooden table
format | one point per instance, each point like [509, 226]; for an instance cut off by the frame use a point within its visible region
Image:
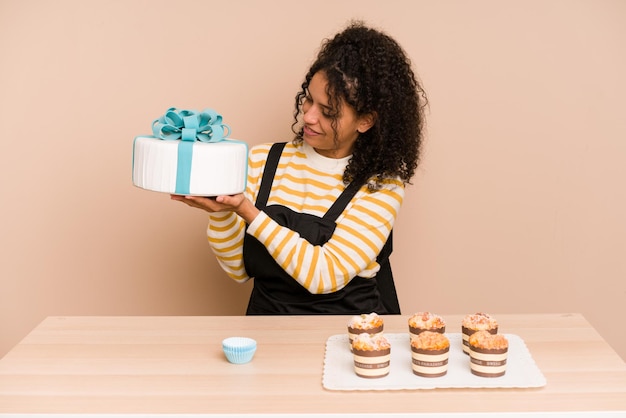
[174, 365]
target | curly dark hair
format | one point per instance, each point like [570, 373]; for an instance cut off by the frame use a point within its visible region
[368, 70]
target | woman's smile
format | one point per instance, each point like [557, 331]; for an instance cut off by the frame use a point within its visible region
[309, 131]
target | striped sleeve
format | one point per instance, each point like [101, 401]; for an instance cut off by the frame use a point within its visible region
[226, 230]
[225, 235]
[361, 232]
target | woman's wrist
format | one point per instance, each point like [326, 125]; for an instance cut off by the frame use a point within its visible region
[247, 211]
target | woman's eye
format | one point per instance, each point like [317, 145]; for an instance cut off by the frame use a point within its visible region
[324, 111]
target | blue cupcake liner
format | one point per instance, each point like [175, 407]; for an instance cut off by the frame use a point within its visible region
[239, 350]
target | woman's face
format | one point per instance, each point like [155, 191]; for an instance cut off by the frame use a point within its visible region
[317, 130]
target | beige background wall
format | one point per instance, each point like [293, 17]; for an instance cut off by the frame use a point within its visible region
[518, 206]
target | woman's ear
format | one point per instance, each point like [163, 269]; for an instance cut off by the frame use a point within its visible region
[366, 121]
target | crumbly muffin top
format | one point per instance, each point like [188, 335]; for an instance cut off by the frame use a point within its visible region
[367, 342]
[426, 320]
[486, 340]
[479, 321]
[429, 340]
[366, 321]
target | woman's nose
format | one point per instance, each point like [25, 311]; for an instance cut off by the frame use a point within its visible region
[310, 116]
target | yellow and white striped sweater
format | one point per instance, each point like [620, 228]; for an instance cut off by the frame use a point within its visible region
[307, 182]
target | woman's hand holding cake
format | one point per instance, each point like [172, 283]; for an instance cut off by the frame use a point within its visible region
[236, 203]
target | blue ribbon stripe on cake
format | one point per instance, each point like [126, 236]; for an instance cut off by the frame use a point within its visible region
[189, 126]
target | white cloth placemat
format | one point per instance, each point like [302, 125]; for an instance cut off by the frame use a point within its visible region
[521, 372]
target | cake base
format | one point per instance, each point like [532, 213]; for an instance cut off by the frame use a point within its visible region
[208, 168]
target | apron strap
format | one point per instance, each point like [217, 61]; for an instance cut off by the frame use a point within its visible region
[271, 164]
[342, 201]
[384, 278]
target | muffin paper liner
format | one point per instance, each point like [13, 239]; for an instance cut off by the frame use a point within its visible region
[239, 350]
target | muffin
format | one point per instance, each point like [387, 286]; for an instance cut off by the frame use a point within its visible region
[429, 352]
[488, 353]
[372, 355]
[426, 321]
[365, 323]
[477, 322]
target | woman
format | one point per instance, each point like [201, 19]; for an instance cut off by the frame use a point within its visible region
[317, 238]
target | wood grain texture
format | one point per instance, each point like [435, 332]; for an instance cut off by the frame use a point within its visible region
[175, 365]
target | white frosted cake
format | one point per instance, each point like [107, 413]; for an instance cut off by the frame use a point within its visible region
[189, 155]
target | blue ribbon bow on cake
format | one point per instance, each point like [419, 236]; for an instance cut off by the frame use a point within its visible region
[189, 126]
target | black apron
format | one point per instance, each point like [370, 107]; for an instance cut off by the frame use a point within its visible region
[276, 292]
